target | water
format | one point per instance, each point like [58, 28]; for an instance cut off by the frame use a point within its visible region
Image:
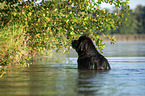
[126, 78]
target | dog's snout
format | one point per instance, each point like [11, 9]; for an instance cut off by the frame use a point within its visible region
[74, 44]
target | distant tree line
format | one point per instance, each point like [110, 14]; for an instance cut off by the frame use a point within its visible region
[135, 24]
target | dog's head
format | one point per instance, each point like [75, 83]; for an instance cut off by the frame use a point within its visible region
[82, 44]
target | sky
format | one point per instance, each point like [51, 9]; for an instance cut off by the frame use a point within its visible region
[132, 3]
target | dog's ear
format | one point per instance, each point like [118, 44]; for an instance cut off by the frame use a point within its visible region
[84, 45]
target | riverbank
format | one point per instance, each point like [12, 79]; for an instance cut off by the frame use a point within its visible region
[129, 37]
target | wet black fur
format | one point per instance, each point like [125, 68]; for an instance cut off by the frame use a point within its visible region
[88, 56]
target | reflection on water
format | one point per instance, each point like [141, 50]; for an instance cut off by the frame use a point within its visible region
[89, 82]
[126, 78]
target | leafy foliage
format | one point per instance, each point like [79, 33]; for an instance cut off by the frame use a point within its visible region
[52, 24]
[135, 22]
[13, 46]
[140, 17]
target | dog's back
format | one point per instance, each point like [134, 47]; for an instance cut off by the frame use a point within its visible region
[93, 62]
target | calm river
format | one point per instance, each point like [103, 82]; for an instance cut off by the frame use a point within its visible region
[47, 78]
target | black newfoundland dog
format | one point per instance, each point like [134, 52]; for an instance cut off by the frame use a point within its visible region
[88, 56]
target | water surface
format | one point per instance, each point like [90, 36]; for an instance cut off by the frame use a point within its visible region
[44, 78]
